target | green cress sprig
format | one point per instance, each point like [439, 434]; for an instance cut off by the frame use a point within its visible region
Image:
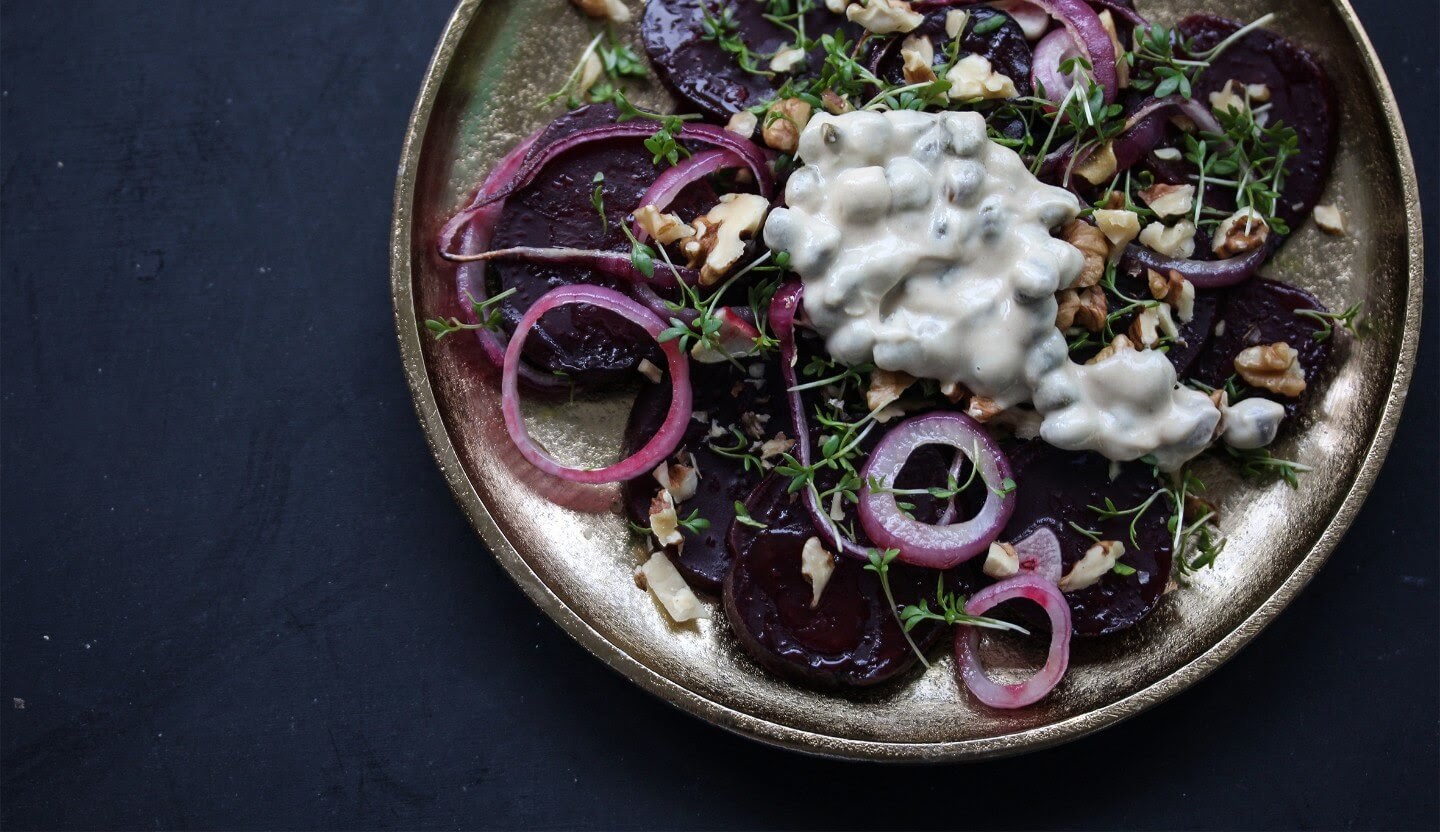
[1326, 321]
[487, 315]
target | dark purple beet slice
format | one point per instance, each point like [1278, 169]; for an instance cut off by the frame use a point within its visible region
[1262, 311]
[705, 558]
[1300, 96]
[706, 75]
[1004, 47]
[852, 637]
[590, 346]
[1053, 488]
[1193, 335]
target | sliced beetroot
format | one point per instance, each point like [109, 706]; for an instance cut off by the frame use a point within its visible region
[722, 395]
[589, 346]
[1193, 335]
[1004, 47]
[852, 637]
[1300, 96]
[703, 73]
[1262, 311]
[1053, 490]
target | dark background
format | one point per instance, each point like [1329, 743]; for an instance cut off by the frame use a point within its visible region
[236, 592]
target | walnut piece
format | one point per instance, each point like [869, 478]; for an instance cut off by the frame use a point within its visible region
[1120, 344]
[982, 409]
[1245, 230]
[918, 54]
[720, 235]
[1274, 367]
[679, 479]
[743, 123]
[884, 17]
[817, 565]
[1002, 561]
[787, 60]
[664, 522]
[1068, 301]
[1145, 329]
[783, 123]
[1093, 246]
[1119, 226]
[1093, 309]
[1099, 167]
[664, 228]
[1177, 240]
[1330, 220]
[1169, 200]
[972, 77]
[834, 103]
[1097, 563]
[885, 387]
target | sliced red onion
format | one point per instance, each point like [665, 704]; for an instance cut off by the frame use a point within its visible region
[736, 337]
[967, 643]
[924, 544]
[671, 431]
[783, 308]
[753, 156]
[1121, 10]
[674, 179]
[1053, 50]
[1205, 274]
[1039, 555]
[613, 263]
[1032, 19]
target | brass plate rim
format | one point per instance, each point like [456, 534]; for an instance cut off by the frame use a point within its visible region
[409, 333]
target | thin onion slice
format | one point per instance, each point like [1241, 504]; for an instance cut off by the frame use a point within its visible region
[967, 643]
[925, 544]
[754, 157]
[671, 431]
[669, 184]
[1039, 555]
[1204, 274]
[613, 263]
[1054, 49]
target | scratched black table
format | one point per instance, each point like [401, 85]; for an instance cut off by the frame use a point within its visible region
[236, 592]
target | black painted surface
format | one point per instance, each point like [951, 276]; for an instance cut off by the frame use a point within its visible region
[237, 594]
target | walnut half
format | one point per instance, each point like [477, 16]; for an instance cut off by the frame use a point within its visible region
[1274, 367]
[1093, 246]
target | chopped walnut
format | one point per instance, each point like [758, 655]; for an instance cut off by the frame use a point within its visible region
[664, 522]
[788, 60]
[1093, 309]
[973, 77]
[743, 123]
[955, 21]
[1145, 329]
[664, 228]
[982, 409]
[1245, 230]
[1169, 200]
[884, 17]
[720, 235]
[816, 564]
[918, 54]
[1164, 287]
[1258, 92]
[1119, 226]
[1091, 243]
[1120, 344]
[1330, 220]
[1100, 166]
[834, 103]
[953, 391]
[612, 10]
[1068, 303]
[651, 372]
[783, 123]
[1096, 564]
[677, 478]
[885, 387]
[775, 447]
[1274, 367]
[1177, 240]
[1001, 561]
[1230, 97]
[754, 423]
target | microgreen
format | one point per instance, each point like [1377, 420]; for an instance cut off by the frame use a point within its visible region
[1326, 321]
[880, 565]
[597, 201]
[487, 316]
[1260, 463]
[742, 515]
[695, 524]
[951, 611]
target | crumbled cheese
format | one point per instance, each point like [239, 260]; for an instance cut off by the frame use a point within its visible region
[816, 564]
[669, 588]
[650, 371]
[1001, 561]
[884, 17]
[1098, 561]
[1230, 97]
[955, 21]
[1169, 154]
[1330, 220]
[1177, 240]
[972, 77]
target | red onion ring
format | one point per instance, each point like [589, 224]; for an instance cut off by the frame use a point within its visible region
[1121, 10]
[783, 307]
[924, 544]
[753, 156]
[613, 263]
[1205, 274]
[1054, 49]
[674, 179]
[671, 431]
[1039, 554]
[967, 643]
[1144, 128]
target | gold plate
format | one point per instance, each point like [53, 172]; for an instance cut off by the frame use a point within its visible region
[496, 60]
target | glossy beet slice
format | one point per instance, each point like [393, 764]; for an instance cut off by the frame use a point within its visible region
[1005, 47]
[851, 638]
[723, 394]
[1054, 488]
[1300, 96]
[590, 346]
[1262, 311]
[703, 73]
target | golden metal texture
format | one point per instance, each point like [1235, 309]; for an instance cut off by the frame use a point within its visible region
[495, 61]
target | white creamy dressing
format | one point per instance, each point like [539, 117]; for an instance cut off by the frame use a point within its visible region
[926, 248]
